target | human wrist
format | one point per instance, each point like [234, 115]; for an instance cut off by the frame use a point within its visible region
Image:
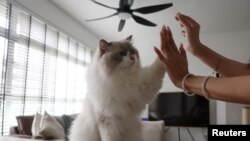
[203, 87]
[198, 50]
[193, 83]
[183, 85]
[178, 82]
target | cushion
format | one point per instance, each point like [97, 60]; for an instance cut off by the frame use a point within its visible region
[24, 124]
[36, 124]
[47, 127]
[153, 130]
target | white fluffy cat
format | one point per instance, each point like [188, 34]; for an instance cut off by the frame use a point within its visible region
[119, 88]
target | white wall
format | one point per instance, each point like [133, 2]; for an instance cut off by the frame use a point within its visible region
[49, 12]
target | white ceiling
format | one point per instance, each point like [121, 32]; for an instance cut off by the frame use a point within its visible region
[214, 16]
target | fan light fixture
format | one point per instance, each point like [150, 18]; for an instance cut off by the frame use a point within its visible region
[124, 15]
[125, 12]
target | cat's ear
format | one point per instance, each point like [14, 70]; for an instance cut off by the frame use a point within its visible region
[129, 38]
[103, 45]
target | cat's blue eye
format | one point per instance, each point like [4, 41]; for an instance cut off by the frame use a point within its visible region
[123, 53]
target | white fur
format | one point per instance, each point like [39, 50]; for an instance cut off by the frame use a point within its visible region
[116, 97]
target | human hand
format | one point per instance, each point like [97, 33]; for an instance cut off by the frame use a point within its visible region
[174, 60]
[191, 31]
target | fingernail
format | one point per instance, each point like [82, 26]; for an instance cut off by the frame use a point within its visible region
[179, 14]
[156, 49]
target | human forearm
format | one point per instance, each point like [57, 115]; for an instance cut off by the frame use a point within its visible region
[232, 89]
[226, 67]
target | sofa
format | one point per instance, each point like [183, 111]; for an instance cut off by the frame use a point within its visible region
[151, 130]
[24, 126]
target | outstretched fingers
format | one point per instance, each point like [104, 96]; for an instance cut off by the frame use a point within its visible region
[167, 42]
[186, 21]
[183, 20]
[171, 40]
[192, 21]
[163, 39]
[182, 51]
[160, 55]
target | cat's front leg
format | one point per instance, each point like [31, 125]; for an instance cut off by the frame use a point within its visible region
[152, 79]
[110, 129]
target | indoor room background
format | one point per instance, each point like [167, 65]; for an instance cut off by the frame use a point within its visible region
[232, 42]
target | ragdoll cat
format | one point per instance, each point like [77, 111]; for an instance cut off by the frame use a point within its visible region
[119, 88]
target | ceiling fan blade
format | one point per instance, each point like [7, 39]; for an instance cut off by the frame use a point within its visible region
[121, 25]
[123, 4]
[116, 13]
[151, 9]
[143, 21]
[130, 2]
[103, 5]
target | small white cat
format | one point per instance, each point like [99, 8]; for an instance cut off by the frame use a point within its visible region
[119, 88]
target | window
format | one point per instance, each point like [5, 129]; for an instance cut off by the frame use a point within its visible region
[41, 67]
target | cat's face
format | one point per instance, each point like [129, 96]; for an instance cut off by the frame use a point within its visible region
[119, 55]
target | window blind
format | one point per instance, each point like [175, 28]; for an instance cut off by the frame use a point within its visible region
[42, 68]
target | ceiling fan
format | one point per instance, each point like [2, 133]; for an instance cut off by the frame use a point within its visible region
[125, 12]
